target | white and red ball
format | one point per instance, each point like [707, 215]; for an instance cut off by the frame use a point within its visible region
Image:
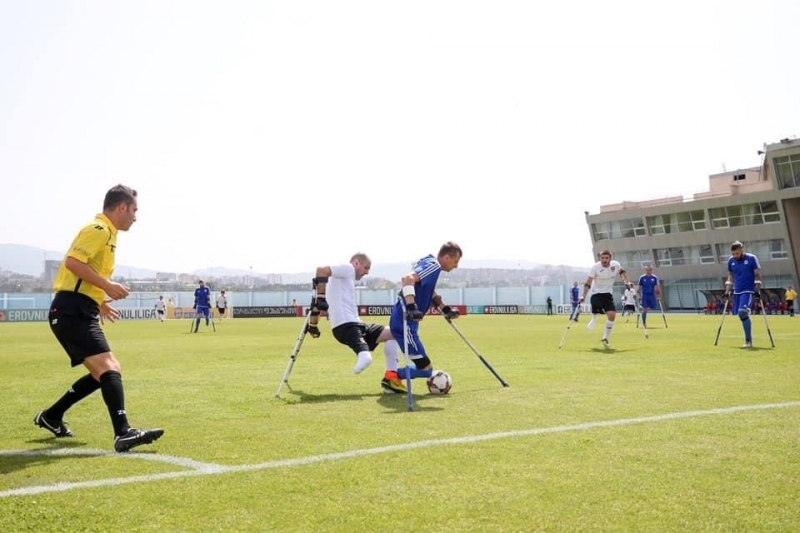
[440, 382]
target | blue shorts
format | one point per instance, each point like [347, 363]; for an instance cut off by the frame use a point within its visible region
[202, 311]
[648, 301]
[742, 302]
[416, 350]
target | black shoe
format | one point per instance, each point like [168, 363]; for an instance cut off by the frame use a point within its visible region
[56, 427]
[136, 437]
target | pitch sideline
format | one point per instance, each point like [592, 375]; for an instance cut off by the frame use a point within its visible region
[197, 468]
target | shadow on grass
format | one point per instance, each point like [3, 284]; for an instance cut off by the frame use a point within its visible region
[608, 351]
[20, 461]
[398, 403]
[745, 351]
[304, 397]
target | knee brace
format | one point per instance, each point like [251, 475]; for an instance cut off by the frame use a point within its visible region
[422, 362]
[744, 314]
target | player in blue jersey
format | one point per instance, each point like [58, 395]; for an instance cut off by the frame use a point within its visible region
[419, 293]
[649, 293]
[202, 304]
[744, 275]
[574, 298]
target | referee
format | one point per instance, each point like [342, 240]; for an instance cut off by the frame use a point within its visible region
[82, 302]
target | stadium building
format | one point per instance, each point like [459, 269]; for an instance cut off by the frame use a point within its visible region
[687, 241]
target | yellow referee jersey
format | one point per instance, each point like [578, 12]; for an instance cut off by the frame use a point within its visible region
[95, 246]
[791, 294]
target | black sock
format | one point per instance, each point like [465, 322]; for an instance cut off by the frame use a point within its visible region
[114, 396]
[79, 390]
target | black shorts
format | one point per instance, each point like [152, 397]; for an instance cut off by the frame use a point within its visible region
[629, 308]
[602, 303]
[221, 310]
[160, 311]
[75, 321]
[358, 336]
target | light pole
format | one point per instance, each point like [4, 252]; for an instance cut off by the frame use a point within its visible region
[251, 278]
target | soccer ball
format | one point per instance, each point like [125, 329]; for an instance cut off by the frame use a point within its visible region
[440, 382]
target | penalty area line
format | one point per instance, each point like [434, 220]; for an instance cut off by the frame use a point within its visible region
[205, 469]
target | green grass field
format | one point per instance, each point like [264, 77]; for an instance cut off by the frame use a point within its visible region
[576, 443]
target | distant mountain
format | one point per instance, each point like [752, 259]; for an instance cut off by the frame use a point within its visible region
[222, 272]
[29, 260]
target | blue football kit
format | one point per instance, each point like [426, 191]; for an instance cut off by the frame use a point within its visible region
[743, 271]
[744, 280]
[574, 297]
[647, 294]
[202, 298]
[428, 270]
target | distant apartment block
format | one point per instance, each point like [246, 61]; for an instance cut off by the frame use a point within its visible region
[687, 241]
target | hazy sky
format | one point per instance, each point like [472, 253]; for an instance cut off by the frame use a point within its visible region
[283, 135]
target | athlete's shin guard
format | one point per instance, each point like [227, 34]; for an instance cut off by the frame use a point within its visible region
[747, 325]
[414, 373]
[391, 350]
[609, 326]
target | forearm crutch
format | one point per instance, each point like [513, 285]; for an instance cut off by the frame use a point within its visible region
[724, 312]
[295, 352]
[483, 360]
[573, 317]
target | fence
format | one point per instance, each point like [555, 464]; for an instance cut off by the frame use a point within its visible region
[462, 296]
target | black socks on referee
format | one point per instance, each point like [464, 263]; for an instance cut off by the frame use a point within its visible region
[114, 396]
[79, 390]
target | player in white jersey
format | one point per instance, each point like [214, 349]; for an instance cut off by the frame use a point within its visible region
[336, 294]
[222, 304]
[161, 306]
[628, 302]
[601, 281]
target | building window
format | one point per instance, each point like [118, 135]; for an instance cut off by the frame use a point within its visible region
[706, 254]
[617, 229]
[670, 257]
[771, 250]
[719, 218]
[723, 252]
[632, 227]
[777, 249]
[698, 219]
[600, 231]
[669, 223]
[636, 259]
[690, 221]
[734, 215]
[761, 213]
[787, 171]
[770, 212]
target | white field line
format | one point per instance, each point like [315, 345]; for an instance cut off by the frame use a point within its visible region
[204, 469]
[169, 459]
